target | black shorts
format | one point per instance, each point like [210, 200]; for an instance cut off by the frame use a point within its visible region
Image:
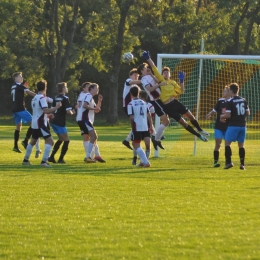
[175, 109]
[41, 132]
[125, 110]
[138, 136]
[85, 127]
[159, 107]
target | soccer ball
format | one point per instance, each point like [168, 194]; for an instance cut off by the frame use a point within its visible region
[128, 57]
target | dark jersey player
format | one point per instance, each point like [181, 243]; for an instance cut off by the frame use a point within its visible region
[20, 114]
[220, 127]
[237, 111]
[58, 123]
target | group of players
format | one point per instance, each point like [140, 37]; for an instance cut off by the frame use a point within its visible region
[162, 92]
[39, 121]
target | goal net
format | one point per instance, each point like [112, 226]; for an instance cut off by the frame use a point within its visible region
[206, 77]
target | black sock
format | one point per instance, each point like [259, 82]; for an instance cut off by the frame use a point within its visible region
[192, 131]
[64, 149]
[216, 156]
[16, 138]
[28, 134]
[196, 124]
[55, 148]
[242, 154]
[228, 154]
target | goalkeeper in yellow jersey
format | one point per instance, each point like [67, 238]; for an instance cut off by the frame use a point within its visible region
[169, 93]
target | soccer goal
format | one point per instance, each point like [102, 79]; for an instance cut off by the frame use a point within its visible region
[206, 77]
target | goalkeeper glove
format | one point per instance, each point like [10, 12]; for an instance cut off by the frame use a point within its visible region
[181, 76]
[146, 55]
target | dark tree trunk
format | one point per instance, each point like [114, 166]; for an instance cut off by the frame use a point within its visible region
[250, 28]
[58, 52]
[237, 35]
[113, 94]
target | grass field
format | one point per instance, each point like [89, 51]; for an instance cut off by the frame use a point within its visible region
[180, 208]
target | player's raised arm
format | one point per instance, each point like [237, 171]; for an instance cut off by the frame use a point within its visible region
[181, 76]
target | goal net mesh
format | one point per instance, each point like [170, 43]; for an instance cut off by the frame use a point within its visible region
[215, 75]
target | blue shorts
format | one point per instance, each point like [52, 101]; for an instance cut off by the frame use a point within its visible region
[22, 116]
[219, 134]
[59, 129]
[236, 133]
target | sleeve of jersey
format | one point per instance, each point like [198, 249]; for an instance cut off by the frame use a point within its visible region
[67, 104]
[228, 107]
[215, 109]
[129, 109]
[177, 88]
[43, 102]
[157, 74]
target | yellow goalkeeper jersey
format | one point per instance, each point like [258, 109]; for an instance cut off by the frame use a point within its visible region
[169, 90]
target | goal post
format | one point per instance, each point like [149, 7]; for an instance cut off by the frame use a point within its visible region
[206, 77]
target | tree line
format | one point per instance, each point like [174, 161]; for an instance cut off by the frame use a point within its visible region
[83, 40]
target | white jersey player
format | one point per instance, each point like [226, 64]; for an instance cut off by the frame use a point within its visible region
[40, 107]
[141, 122]
[85, 118]
[130, 82]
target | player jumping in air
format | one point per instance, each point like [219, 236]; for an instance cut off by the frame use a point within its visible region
[153, 90]
[131, 81]
[173, 107]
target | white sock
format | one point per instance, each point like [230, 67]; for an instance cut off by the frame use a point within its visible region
[128, 138]
[142, 155]
[37, 145]
[85, 144]
[90, 147]
[160, 131]
[147, 153]
[97, 153]
[28, 151]
[46, 154]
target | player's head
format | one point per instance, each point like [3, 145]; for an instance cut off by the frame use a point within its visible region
[142, 69]
[234, 88]
[226, 92]
[93, 89]
[143, 95]
[18, 77]
[135, 91]
[62, 87]
[84, 87]
[41, 85]
[133, 74]
[166, 72]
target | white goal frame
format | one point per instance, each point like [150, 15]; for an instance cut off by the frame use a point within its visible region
[199, 57]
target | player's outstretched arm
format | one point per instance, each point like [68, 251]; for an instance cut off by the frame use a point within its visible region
[181, 76]
[210, 114]
[146, 55]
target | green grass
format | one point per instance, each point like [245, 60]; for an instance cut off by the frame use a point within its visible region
[180, 208]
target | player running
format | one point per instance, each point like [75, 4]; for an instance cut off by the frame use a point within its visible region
[39, 126]
[139, 117]
[236, 112]
[20, 114]
[173, 107]
[220, 127]
[131, 81]
[58, 123]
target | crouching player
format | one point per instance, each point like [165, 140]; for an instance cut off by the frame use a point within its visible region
[39, 128]
[139, 117]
